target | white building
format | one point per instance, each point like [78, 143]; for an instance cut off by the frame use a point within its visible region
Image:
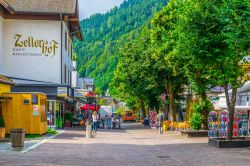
[36, 46]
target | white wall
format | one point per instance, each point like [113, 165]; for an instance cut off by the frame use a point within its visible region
[1, 41]
[80, 83]
[66, 54]
[42, 68]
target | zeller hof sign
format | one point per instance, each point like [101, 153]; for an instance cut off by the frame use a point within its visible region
[45, 47]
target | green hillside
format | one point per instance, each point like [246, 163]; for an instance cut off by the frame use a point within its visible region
[106, 33]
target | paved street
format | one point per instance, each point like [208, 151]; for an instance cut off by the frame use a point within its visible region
[133, 145]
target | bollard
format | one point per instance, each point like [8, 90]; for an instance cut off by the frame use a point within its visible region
[88, 131]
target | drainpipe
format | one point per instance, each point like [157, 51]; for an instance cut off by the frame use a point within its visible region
[61, 48]
[59, 113]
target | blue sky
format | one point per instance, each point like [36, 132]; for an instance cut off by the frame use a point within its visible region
[89, 7]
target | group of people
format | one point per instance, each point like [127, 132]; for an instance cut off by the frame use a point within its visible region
[109, 122]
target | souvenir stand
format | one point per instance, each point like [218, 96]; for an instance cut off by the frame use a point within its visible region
[223, 123]
[241, 122]
[213, 124]
[218, 123]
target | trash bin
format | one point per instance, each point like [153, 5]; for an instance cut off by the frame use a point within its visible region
[17, 137]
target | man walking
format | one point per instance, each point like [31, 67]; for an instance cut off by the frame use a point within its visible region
[160, 119]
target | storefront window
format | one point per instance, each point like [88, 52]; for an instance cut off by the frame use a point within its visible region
[51, 113]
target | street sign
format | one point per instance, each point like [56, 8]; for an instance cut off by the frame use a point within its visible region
[62, 91]
[80, 92]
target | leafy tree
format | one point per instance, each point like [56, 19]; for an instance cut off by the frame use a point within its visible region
[168, 67]
[98, 91]
[214, 39]
[106, 34]
[102, 101]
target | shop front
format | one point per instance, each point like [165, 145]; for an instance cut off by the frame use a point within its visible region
[218, 119]
[5, 87]
[218, 123]
[58, 97]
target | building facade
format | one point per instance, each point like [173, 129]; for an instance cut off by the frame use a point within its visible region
[36, 47]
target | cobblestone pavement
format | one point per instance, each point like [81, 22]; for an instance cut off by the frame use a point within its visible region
[134, 145]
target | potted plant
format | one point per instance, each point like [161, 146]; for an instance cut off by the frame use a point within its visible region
[2, 127]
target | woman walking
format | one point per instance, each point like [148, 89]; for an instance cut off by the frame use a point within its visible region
[94, 119]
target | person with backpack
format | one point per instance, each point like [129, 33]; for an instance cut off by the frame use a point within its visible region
[160, 118]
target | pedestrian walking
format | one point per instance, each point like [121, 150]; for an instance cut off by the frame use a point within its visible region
[106, 122]
[160, 118]
[94, 119]
[109, 122]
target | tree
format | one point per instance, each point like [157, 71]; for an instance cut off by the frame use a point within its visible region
[234, 17]
[105, 34]
[168, 67]
[133, 79]
[214, 39]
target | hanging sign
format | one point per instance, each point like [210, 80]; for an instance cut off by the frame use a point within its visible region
[62, 91]
[80, 92]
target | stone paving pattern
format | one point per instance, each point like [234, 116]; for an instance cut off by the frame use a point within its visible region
[132, 146]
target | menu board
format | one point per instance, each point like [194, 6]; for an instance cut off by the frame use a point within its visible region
[213, 124]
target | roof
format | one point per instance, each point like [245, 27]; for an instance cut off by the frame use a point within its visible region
[6, 80]
[42, 6]
[244, 89]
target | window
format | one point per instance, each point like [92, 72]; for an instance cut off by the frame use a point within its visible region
[43, 110]
[34, 99]
[71, 51]
[66, 40]
[68, 77]
[69, 44]
[65, 74]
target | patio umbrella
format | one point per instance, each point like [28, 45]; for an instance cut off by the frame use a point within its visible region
[90, 107]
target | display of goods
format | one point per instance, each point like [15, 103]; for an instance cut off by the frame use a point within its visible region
[212, 124]
[153, 119]
[242, 123]
[223, 123]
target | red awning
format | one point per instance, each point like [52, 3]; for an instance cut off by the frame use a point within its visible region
[90, 107]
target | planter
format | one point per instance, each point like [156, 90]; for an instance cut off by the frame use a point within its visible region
[241, 142]
[2, 132]
[194, 133]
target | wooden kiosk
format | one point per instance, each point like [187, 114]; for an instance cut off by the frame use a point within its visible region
[25, 110]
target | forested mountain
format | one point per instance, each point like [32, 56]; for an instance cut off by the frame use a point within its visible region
[105, 34]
